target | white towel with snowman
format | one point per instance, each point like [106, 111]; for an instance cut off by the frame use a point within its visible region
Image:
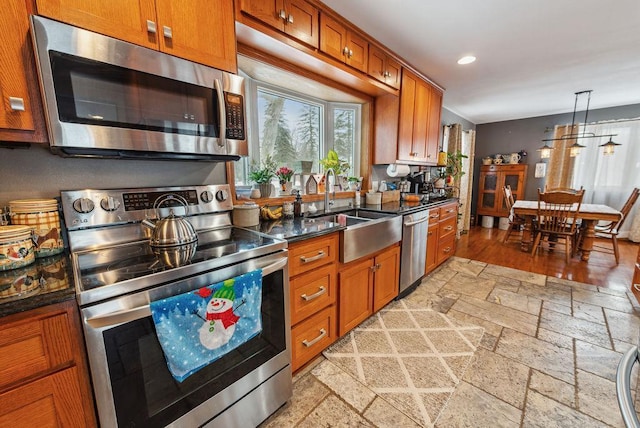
[201, 326]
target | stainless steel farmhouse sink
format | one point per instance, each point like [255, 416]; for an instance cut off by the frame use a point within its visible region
[366, 232]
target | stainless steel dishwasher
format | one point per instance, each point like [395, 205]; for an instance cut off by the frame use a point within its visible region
[414, 249]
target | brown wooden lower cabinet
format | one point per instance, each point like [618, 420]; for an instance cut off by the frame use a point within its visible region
[312, 297]
[441, 237]
[43, 373]
[327, 299]
[365, 286]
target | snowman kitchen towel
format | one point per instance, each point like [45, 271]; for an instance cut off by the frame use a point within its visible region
[198, 327]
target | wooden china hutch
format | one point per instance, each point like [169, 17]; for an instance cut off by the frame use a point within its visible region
[492, 179]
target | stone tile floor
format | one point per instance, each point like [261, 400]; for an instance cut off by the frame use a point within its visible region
[548, 356]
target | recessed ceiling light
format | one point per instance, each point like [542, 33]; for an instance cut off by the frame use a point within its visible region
[466, 60]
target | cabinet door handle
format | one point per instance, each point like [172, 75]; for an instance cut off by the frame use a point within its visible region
[290, 19]
[447, 250]
[448, 228]
[350, 53]
[151, 27]
[345, 51]
[375, 267]
[386, 74]
[166, 31]
[321, 254]
[16, 104]
[283, 14]
[315, 295]
[308, 343]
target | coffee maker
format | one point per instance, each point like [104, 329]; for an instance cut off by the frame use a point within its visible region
[418, 182]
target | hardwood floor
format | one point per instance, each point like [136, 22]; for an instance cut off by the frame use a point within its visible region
[486, 245]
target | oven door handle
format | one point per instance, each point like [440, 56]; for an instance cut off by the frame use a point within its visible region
[128, 315]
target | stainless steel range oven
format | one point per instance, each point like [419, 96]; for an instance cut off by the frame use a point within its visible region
[119, 275]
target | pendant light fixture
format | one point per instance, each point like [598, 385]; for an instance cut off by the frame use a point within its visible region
[574, 149]
[545, 151]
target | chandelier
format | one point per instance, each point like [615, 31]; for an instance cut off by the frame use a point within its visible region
[574, 149]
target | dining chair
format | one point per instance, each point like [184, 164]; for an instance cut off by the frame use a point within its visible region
[561, 189]
[611, 229]
[516, 222]
[556, 219]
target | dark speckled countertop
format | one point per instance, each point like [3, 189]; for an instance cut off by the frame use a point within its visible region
[298, 229]
[46, 281]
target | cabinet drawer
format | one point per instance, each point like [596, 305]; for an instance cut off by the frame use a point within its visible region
[313, 253]
[34, 346]
[447, 227]
[434, 216]
[446, 247]
[311, 292]
[448, 211]
[312, 336]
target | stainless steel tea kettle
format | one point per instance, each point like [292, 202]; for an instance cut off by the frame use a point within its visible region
[172, 230]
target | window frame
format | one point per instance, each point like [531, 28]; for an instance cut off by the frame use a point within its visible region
[326, 126]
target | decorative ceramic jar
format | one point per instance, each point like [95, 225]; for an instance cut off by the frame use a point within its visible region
[41, 215]
[16, 247]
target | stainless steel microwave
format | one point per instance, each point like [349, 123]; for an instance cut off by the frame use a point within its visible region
[104, 97]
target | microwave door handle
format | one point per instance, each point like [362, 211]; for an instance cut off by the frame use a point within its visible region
[223, 113]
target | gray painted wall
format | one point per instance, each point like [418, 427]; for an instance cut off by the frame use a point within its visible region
[37, 173]
[515, 135]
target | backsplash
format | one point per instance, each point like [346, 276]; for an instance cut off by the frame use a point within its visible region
[37, 173]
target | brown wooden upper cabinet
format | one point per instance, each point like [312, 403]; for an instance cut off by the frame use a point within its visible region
[297, 18]
[383, 67]
[343, 43]
[21, 117]
[419, 121]
[198, 30]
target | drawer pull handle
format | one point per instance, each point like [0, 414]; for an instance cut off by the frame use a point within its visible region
[309, 344]
[448, 228]
[315, 295]
[447, 250]
[434, 216]
[321, 254]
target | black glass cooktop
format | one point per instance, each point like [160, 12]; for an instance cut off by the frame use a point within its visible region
[107, 266]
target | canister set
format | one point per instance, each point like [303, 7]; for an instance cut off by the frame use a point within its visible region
[498, 159]
[34, 232]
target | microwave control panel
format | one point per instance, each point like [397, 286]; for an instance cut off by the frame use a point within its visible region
[234, 105]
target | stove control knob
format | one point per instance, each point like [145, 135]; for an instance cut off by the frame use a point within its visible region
[83, 205]
[110, 203]
[222, 195]
[206, 196]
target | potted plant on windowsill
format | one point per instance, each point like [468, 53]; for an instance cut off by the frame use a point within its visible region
[284, 175]
[339, 166]
[354, 183]
[263, 174]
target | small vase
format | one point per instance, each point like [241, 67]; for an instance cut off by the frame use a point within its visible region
[285, 188]
[265, 189]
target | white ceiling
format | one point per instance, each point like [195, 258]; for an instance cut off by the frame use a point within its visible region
[533, 55]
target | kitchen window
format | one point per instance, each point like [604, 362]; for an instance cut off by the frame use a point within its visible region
[293, 127]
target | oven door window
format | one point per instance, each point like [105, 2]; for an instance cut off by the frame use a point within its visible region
[94, 93]
[145, 393]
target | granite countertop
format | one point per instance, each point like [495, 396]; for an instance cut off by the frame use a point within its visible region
[403, 207]
[299, 228]
[46, 281]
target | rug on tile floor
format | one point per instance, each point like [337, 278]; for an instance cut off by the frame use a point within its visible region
[412, 358]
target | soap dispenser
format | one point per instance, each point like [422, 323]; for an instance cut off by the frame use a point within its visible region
[297, 205]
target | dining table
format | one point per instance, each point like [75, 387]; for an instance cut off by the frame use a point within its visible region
[589, 214]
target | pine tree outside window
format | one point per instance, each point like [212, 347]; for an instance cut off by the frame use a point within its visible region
[292, 127]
